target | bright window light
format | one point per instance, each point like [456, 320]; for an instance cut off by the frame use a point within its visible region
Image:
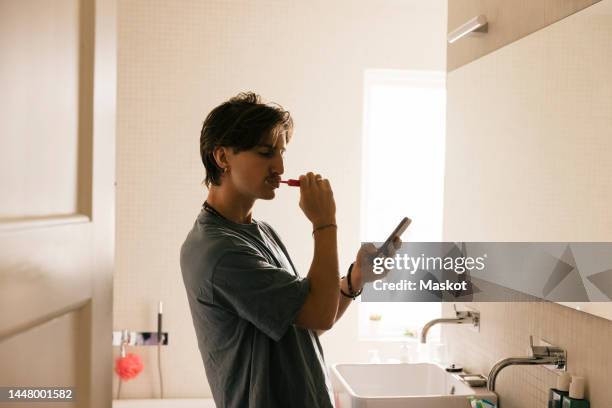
[402, 175]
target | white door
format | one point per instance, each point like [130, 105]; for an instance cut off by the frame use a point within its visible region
[57, 196]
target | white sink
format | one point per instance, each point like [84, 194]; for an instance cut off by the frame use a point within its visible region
[422, 385]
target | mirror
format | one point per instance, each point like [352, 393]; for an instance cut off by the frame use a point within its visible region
[529, 141]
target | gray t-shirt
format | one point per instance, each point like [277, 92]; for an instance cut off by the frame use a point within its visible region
[244, 294]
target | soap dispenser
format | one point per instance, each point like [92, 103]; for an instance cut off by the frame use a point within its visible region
[576, 395]
[555, 395]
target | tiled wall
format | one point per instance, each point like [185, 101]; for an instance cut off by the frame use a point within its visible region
[504, 332]
[528, 159]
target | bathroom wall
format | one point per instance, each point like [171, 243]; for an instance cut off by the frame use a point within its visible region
[528, 148]
[507, 22]
[177, 60]
[504, 332]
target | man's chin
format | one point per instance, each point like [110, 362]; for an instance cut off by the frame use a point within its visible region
[268, 195]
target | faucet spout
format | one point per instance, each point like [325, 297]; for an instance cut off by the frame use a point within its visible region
[506, 362]
[547, 354]
[433, 322]
[461, 316]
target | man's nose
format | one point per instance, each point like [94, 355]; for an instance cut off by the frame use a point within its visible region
[278, 166]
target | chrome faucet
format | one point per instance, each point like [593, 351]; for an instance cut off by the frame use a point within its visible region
[548, 355]
[461, 316]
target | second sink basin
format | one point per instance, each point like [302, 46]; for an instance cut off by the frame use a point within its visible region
[422, 385]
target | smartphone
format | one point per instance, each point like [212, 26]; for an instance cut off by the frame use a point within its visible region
[397, 232]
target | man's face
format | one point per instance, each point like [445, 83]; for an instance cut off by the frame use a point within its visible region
[256, 173]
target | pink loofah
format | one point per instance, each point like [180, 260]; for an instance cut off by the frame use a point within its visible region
[129, 366]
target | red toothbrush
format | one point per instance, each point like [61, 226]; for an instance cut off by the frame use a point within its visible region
[291, 182]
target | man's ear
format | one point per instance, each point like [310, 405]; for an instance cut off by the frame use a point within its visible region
[220, 155]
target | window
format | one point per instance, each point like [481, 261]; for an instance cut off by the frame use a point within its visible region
[402, 175]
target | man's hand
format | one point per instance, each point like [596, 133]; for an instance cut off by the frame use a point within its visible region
[317, 200]
[362, 272]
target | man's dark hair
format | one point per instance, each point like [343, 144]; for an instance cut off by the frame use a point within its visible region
[241, 123]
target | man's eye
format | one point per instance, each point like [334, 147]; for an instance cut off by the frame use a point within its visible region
[267, 154]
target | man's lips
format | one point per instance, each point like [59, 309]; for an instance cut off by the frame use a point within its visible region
[275, 181]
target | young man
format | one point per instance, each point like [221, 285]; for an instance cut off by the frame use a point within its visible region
[257, 321]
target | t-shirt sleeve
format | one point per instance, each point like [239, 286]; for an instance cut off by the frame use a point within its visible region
[267, 296]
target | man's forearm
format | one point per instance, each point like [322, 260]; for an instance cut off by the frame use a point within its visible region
[323, 273]
[343, 303]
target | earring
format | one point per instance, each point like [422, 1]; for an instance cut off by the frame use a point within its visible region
[226, 169]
